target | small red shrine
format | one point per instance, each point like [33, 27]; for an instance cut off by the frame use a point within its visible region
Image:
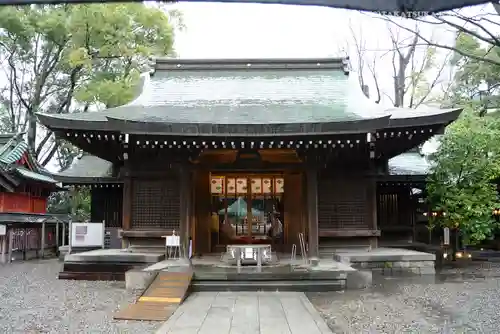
[24, 184]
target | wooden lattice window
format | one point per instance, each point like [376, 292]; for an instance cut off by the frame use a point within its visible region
[107, 205]
[342, 204]
[156, 204]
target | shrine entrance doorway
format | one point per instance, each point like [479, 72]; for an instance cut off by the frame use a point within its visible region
[246, 209]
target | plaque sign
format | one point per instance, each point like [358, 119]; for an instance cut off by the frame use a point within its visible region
[446, 236]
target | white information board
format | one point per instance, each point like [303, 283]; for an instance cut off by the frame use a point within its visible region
[173, 241]
[87, 234]
[248, 253]
[3, 229]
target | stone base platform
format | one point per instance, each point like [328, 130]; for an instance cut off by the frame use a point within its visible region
[210, 274]
[388, 261]
[105, 264]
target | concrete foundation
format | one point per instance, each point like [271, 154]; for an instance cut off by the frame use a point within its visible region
[109, 265]
[211, 274]
[114, 255]
[388, 261]
[138, 279]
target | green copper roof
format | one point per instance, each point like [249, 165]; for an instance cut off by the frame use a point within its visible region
[35, 176]
[410, 163]
[88, 166]
[12, 151]
[239, 97]
[13, 148]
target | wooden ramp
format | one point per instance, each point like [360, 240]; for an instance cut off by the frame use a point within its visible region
[160, 300]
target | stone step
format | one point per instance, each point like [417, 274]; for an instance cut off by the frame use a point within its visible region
[91, 276]
[285, 285]
[146, 249]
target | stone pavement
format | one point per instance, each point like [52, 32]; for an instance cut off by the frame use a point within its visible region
[245, 313]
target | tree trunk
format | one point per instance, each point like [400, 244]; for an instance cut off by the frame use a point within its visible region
[32, 131]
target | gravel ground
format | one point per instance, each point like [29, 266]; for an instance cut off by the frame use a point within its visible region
[448, 303]
[33, 300]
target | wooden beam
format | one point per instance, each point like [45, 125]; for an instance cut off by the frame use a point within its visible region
[348, 233]
[297, 167]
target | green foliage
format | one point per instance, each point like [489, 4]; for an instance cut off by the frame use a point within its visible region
[476, 83]
[462, 178]
[68, 58]
[62, 203]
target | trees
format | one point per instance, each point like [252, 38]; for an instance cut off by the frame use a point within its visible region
[74, 58]
[77, 203]
[416, 69]
[476, 53]
[466, 165]
[461, 182]
[475, 83]
[480, 25]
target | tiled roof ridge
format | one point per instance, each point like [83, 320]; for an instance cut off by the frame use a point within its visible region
[277, 60]
[249, 64]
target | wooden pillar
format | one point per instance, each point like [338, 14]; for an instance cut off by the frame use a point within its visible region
[202, 211]
[294, 205]
[10, 233]
[185, 205]
[73, 201]
[312, 212]
[57, 236]
[192, 217]
[25, 242]
[371, 197]
[63, 239]
[127, 207]
[4, 247]
[42, 241]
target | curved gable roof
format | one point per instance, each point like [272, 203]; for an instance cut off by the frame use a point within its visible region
[248, 97]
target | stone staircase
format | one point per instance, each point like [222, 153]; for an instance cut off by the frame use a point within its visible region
[326, 250]
[140, 245]
[280, 278]
[156, 249]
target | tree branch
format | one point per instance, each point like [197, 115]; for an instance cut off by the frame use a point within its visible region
[50, 154]
[43, 142]
[447, 47]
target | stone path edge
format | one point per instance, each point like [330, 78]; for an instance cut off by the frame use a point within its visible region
[320, 322]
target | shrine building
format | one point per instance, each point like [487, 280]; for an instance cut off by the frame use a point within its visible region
[26, 229]
[213, 148]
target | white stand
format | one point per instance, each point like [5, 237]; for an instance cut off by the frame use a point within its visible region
[173, 249]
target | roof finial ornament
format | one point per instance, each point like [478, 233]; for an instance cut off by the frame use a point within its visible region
[151, 65]
[346, 65]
